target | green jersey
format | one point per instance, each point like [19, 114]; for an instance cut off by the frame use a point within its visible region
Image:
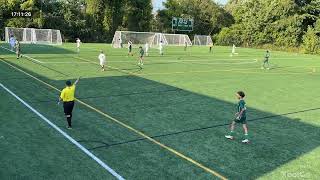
[17, 46]
[141, 52]
[242, 106]
[266, 57]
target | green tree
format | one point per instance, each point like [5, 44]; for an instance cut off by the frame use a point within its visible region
[139, 15]
[278, 22]
[311, 42]
[209, 18]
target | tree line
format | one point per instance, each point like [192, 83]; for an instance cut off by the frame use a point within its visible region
[282, 24]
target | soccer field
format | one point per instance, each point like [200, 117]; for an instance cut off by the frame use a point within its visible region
[166, 120]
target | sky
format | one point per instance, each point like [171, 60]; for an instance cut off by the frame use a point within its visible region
[157, 4]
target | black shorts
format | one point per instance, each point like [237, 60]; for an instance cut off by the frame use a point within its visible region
[130, 48]
[68, 107]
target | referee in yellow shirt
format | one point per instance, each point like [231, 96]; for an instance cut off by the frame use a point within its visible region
[67, 96]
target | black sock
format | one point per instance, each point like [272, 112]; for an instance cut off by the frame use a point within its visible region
[69, 121]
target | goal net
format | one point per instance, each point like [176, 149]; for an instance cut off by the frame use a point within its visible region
[202, 40]
[177, 39]
[121, 38]
[32, 35]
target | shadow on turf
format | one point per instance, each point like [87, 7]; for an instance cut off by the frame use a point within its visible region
[196, 124]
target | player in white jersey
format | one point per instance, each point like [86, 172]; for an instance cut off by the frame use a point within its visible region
[78, 41]
[146, 47]
[233, 52]
[102, 60]
[161, 48]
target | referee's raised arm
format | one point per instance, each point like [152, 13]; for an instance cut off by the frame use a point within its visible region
[76, 82]
[67, 96]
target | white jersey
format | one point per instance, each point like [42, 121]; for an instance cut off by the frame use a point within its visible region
[78, 41]
[102, 59]
[160, 46]
[146, 47]
[233, 49]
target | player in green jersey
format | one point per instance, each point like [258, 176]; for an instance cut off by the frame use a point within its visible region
[265, 64]
[141, 54]
[241, 117]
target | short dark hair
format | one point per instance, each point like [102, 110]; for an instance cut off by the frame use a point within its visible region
[140, 47]
[68, 83]
[241, 94]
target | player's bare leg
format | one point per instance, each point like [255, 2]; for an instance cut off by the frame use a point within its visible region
[232, 126]
[245, 129]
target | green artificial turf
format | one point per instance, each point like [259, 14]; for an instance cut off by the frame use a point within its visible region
[184, 100]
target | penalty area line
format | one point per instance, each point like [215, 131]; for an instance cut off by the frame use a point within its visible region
[73, 141]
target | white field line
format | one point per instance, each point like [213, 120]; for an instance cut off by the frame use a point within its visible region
[199, 62]
[22, 55]
[61, 62]
[73, 141]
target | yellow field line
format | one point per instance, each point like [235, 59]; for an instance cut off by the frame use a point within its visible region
[128, 127]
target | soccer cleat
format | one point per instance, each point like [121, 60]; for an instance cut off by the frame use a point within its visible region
[69, 127]
[229, 137]
[268, 68]
[245, 141]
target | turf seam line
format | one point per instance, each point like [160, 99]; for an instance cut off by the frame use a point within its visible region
[178, 154]
[73, 141]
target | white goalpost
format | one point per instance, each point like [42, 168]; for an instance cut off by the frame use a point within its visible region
[34, 36]
[202, 40]
[177, 39]
[152, 38]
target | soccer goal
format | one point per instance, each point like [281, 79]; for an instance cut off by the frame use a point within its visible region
[202, 40]
[121, 38]
[35, 36]
[177, 39]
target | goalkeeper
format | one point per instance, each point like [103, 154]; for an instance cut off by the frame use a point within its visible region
[240, 118]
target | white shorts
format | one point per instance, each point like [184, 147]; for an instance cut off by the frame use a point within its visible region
[102, 63]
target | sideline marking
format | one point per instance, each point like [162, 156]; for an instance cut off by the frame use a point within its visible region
[86, 151]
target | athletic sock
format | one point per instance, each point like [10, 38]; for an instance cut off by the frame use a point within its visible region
[69, 121]
[246, 136]
[231, 133]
